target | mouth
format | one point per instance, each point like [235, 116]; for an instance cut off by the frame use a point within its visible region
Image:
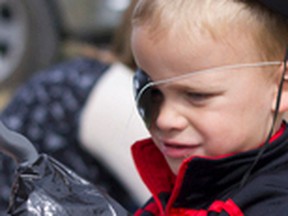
[175, 150]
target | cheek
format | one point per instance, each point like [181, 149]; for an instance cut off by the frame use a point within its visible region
[223, 127]
[154, 136]
[231, 131]
[224, 138]
[256, 93]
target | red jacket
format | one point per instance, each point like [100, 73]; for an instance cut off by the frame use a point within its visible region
[210, 187]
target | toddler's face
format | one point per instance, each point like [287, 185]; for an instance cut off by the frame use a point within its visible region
[206, 114]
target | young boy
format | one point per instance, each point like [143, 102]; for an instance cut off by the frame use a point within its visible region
[211, 75]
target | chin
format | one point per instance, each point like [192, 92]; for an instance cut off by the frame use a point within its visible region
[174, 165]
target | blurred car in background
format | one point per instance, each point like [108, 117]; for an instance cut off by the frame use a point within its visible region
[31, 30]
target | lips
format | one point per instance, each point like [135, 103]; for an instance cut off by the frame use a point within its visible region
[175, 150]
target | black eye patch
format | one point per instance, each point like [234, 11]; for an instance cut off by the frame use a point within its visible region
[148, 97]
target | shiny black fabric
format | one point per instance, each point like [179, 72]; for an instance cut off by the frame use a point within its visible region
[49, 188]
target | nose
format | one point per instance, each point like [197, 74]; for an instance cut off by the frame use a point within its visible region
[170, 117]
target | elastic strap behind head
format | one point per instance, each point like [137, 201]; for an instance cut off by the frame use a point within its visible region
[264, 147]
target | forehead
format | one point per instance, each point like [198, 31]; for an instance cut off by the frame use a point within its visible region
[171, 53]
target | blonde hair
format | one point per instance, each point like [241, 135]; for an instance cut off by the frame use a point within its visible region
[265, 28]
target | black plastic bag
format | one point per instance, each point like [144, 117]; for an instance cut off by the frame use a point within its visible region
[45, 187]
[49, 188]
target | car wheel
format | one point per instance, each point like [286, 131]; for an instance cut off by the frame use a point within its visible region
[28, 39]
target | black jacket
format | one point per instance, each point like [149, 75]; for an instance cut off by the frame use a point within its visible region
[212, 186]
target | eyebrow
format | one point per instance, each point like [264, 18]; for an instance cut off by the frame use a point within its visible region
[198, 86]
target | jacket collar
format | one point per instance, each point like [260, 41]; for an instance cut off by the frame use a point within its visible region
[201, 179]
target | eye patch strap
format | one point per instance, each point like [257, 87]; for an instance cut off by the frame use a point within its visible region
[266, 144]
[143, 85]
[142, 81]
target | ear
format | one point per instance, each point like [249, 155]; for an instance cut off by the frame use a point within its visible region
[283, 106]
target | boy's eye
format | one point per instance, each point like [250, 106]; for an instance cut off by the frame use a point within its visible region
[197, 98]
